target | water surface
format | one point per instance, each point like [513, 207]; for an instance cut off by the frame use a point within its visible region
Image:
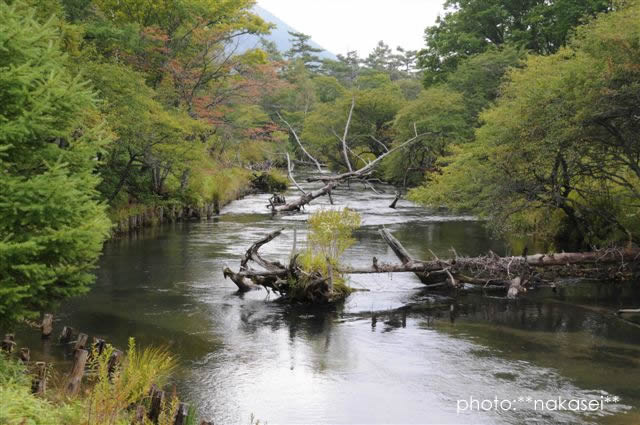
[393, 354]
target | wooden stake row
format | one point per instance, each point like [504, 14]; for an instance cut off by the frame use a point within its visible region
[82, 353]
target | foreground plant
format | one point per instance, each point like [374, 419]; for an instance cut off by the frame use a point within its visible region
[114, 394]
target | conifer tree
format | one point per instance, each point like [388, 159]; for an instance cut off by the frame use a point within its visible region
[51, 225]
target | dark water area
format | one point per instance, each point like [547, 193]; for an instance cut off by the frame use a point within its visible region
[393, 354]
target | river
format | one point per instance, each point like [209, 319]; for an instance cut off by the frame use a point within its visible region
[393, 354]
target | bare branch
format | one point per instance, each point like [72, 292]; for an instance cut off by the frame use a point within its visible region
[290, 170]
[379, 142]
[346, 132]
[295, 135]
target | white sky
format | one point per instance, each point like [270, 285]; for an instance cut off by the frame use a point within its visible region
[343, 25]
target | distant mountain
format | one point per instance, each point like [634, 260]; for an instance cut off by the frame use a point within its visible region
[279, 35]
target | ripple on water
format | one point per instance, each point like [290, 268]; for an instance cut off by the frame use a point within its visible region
[392, 354]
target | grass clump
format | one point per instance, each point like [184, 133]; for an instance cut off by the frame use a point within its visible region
[271, 181]
[330, 234]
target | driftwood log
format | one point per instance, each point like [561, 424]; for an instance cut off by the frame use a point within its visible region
[512, 274]
[280, 278]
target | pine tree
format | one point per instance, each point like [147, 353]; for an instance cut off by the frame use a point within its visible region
[301, 49]
[51, 225]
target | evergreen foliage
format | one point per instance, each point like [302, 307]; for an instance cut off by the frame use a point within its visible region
[51, 223]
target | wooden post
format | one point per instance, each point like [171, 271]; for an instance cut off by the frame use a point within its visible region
[25, 355]
[39, 383]
[67, 335]
[75, 377]
[47, 325]
[139, 417]
[114, 361]
[81, 341]
[181, 415]
[98, 346]
[157, 400]
[9, 343]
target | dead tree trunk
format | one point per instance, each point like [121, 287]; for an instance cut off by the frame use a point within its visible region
[331, 182]
[514, 274]
[287, 280]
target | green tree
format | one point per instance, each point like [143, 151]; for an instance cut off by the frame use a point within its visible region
[302, 50]
[51, 224]
[558, 155]
[470, 27]
[479, 78]
[439, 114]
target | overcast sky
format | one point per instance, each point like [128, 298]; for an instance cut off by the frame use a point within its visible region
[343, 25]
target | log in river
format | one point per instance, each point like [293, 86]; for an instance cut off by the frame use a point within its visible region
[397, 353]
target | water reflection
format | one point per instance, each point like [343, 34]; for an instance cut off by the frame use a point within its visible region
[394, 354]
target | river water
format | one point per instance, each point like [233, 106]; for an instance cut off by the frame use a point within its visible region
[393, 354]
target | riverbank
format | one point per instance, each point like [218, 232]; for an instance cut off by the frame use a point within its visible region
[361, 361]
[101, 385]
[137, 216]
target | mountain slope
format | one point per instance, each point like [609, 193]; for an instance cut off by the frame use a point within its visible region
[279, 35]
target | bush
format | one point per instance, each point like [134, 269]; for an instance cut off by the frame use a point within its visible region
[271, 181]
[330, 234]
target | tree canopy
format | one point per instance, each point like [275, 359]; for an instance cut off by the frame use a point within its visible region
[558, 153]
[469, 27]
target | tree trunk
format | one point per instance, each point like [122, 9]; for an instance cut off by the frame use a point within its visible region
[514, 274]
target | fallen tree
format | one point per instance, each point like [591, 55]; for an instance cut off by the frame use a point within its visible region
[331, 181]
[514, 274]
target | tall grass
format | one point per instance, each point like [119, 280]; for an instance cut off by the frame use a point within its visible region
[109, 397]
[330, 234]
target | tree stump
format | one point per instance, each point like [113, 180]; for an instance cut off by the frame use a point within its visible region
[9, 343]
[98, 346]
[75, 377]
[39, 383]
[47, 325]
[114, 361]
[25, 355]
[81, 341]
[181, 415]
[67, 335]
[139, 417]
[157, 400]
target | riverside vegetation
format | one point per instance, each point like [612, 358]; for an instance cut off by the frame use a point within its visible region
[113, 110]
[118, 109]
